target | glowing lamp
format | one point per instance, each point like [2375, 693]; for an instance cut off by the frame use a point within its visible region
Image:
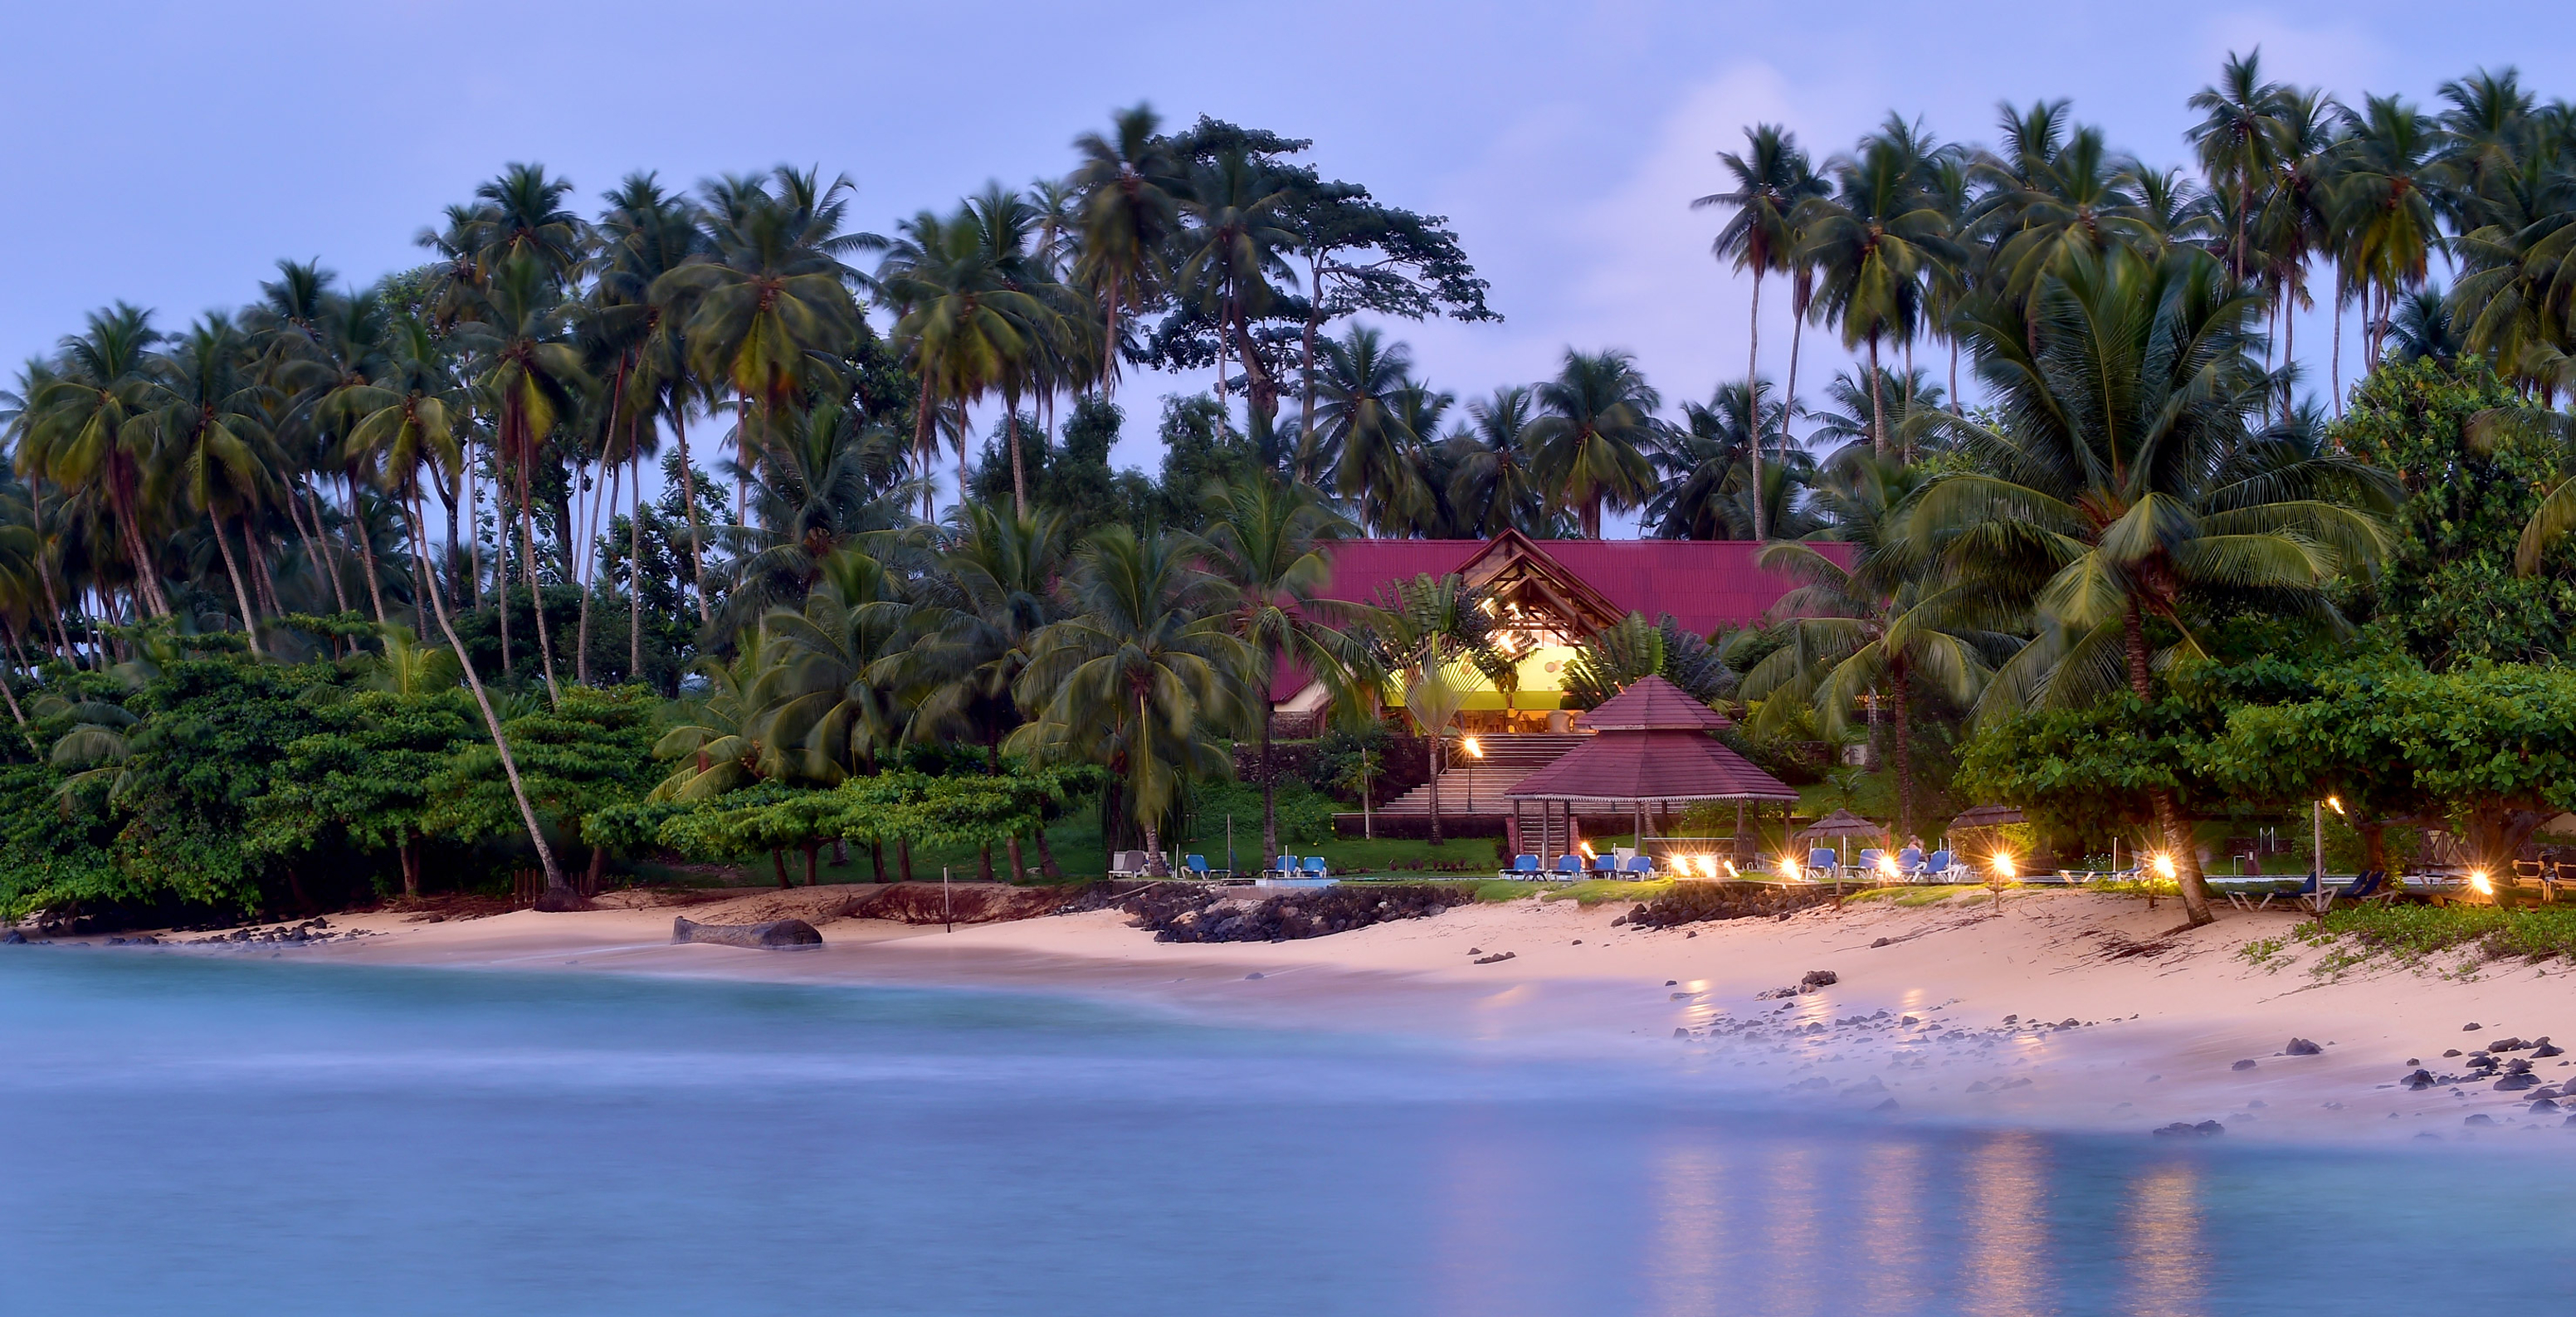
[1887, 864]
[2478, 882]
[2164, 866]
[2004, 866]
[1789, 867]
[1472, 746]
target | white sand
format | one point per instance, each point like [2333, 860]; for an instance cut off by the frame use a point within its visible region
[2163, 1014]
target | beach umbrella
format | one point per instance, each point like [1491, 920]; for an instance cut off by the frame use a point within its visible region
[1840, 824]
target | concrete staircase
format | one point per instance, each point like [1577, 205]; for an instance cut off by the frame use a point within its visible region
[1479, 789]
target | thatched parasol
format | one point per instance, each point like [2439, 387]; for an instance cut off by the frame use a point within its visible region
[1840, 824]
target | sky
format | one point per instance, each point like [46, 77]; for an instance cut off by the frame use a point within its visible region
[168, 154]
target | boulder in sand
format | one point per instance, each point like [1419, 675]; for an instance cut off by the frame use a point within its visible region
[776, 935]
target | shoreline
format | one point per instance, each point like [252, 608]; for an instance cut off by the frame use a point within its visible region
[2068, 1011]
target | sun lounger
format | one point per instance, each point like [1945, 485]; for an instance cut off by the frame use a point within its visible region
[1605, 865]
[1196, 866]
[1127, 864]
[1937, 868]
[1287, 867]
[1315, 868]
[1524, 865]
[1868, 865]
[1640, 866]
[1569, 865]
[1909, 862]
[1823, 859]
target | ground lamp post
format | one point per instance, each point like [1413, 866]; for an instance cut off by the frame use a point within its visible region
[1474, 750]
[2324, 897]
[2002, 877]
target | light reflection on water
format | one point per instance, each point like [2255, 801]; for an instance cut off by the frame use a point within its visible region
[282, 1139]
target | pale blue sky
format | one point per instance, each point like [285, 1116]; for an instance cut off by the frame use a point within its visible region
[167, 153]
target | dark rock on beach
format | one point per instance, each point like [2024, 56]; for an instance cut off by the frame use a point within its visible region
[2247, 1064]
[776, 935]
[1188, 913]
[2302, 1047]
[1691, 903]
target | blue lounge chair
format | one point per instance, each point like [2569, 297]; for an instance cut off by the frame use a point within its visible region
[1315, 867]
[1823, 860]
[1524, 865]
[1287, 867]
[1606, 865]
[1868, 863]
[1910, 863]
[1938, 865]
[1196, 866]
[1569, 865]
[1641, 866]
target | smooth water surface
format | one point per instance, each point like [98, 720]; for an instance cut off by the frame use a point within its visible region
[216, 1137]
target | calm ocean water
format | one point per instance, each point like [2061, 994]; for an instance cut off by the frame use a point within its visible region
[262, 1137]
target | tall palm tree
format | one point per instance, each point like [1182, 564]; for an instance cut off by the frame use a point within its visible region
[1592, 439]
[964, 320]
[406, 419]
[2383, 204]
[1874, 242]
[1882, 629]
[1494, 484]
[211, 418]
[2237, 140]
[1710, 487]
[1772, 179]
[1142, 679]
[88, 431]
[2123, 489]
[1360, 417]
[1128, 212]
[1229, 252]
[535, 380]
[1267, 543]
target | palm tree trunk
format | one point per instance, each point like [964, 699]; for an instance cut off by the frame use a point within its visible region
[2169, 820]
[689, 502]
[1315, 325]
[2337, 356]
[558, 895]
[2289, 345]
[741, 453]
[923, 414]
[590, 573]
[1753, 402]
[501, 521]
[232, 570]
[1437, 745]
[1877, 403]
[635, 561]
[536, 591]
[1797, 339]
[1019, 475]
[1904, 755]
[473, 523]
[366, 548]
[147, 577]
[1046, 856]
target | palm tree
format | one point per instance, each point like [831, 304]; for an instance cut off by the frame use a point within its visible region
[2237, 140]
[1228, 253]
[1881, 629]
[1359, 416]
[88, 432]
[1267, 542]
[211, 417]
[404, 419]
[1142, 679]
[2122, 488]
[964, 319]
[823, 692]
[1434, 640]
[1710, 486]
[535, 380]
[1591, 442]
[1874, 242]
[1128, 212]
[1771, 181]
[1494, 484]
[2383, 206]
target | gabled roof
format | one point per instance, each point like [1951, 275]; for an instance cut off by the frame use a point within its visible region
[1512, 567]
[1704, 584]
[1653, 703]
[1656, 765]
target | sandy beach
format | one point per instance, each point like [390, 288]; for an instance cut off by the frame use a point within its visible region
[2059, 1010]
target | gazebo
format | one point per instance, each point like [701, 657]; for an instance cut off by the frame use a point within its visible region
[1651, 748]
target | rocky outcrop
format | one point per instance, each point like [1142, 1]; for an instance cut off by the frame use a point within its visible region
[1181, 913]
[776, 935]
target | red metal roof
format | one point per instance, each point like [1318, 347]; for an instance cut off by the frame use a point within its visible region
[1653, 703]
[1651, 765]
[1704, 584]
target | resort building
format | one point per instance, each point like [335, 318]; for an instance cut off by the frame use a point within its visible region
[1546, 597]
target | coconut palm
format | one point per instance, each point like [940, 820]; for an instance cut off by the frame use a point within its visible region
[1874, 243]
[1127, 212]
[1710, 486]
[2122, 489]
[211, 418]
[1229, 250]
[1591, 440]
[1772, 179]
[1267, 543]
[86, 431]
[1143, 679]
[2383, 206]
[964, 321]
[2237, 140]
[1493, 484]
[1360, 418]
[534, 379]
[1888, 628]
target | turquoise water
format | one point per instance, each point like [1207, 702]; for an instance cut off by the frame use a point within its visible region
[215, 1137]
